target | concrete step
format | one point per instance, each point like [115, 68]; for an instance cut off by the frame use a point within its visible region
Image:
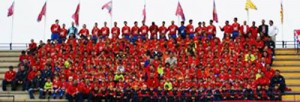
[291, 97]
[286, 51]
[287, 57]
[295, 88]
[282, 68]
[295, 62]
[292, 81]
[290, 75]
[6, 64]
[4, 54]
[286, 65]
[9, 59]
[3, 70]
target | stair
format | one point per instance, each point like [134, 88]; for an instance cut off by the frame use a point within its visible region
[288, 62]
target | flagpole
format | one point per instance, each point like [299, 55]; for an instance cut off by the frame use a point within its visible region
[111, 19]
[45, 22]
[248, 16]
[178, 19]
[12, 26]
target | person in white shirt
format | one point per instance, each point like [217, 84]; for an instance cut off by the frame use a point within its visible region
[273, 31]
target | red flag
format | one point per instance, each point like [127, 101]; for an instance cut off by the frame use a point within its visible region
[76, 15]
[215, 15]
[42, 13]
[144, 13]
[179, 12]
[108, 6]
[11, 10]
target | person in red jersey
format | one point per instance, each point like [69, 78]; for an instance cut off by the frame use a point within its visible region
[172, 30]
[63, 34]
[144, 31]
[190, 29]
[254, 30]
[55, 30]
[199, 30]
[115, 31]
[244, 29]
[134, 32]
[153, 30]
[163, 31]
[211, 30]
[227, 29]
[32, 47]
[72, 92]
[104, 31]
[95, 33]
[84, 32]
[126, 31]
[8, 77]
[235, 26]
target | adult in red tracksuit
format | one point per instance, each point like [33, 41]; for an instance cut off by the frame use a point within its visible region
[55, 30]
[8, 77]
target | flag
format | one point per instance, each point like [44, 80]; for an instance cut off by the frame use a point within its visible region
[108, 6]
[281, 12]
[215, 15]
[144, 13]
[250, 5]
[75, 16]
[42, 13]
[11, 10]
[179, 12]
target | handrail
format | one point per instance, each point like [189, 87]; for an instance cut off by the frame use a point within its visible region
[13, 96]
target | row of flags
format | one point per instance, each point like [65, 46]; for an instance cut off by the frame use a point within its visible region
[108, 6]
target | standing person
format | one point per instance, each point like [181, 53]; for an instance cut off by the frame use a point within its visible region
[153, 31]
[8, 77]
[104, 31]
[211, 30]
[190, 29]
[144, 31]
[263, 29]
[32, 46]
[253, 30]
[72, 31]
[63, 34]
[235, 27]
[126, 31]
[115, 31]
[134, 32]
[227, 29]
[244, 29]
[95, 33]
[55, 30]
[172, 30]
[198, 30]
[273, 31]
[84, 32]
[163, 31]
[182, 30]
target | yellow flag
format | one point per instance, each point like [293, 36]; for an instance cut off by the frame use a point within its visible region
[281, 13]
[250, 5]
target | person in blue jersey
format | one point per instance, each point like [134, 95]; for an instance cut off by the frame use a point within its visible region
[72, 31]
[182, 31]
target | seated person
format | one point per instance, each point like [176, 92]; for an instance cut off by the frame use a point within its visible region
[8, 77]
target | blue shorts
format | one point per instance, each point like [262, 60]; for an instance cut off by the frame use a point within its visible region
[127, 37]
[210, 36]
[191, 36]
[173, 36]
[54, 36]
[143, 37]
[134, 38]
[235, 34]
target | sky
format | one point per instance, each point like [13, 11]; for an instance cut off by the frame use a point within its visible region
[23, 25]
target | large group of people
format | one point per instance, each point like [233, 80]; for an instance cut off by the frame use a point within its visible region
[159, 64]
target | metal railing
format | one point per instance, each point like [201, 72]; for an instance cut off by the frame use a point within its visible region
[13, 96]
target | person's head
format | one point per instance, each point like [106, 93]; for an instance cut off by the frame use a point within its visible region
[277, 72]
[253, 23]
[135, 23]
[105, 23]
[227, 22]
[63, 25]
[48, 80]
[211, 22]
[96, 24]
[84, 26]
[163, 23]
[271, 22]
[203, 23]
[263, 21]
[235, 19]
[11, 68]
[56, 21]
[72, 24]
[245, 22]
[143, 22]
[32, 41]
[191, 21]
[125, 23]
[172, 22]
[23, 52]
[153, 23]
[199, 24]
[115, 24]
[182, 23]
